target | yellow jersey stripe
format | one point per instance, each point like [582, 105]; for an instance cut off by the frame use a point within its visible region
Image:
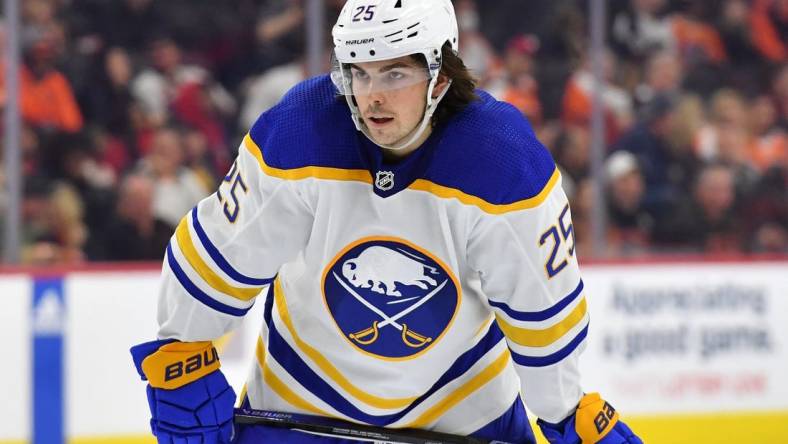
[485, 376]
[205, 272]
[241, 397]
[327, 367]
[280, 388]
[468, 199]
[419, 185]
[545, 337]
[305, 172]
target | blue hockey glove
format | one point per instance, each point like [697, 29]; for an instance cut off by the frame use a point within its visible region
[594, 421]
[189, 398]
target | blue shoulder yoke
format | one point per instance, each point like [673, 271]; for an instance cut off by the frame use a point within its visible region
[488, 150]
[310, 126]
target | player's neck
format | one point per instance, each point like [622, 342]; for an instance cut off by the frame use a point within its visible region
[394, 155]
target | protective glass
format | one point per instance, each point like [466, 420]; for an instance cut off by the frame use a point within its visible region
[363, 79]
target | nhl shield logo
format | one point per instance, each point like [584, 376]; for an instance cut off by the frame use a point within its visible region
[384, 180]
[390, 298]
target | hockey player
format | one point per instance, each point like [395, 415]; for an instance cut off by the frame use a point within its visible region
[417, 249]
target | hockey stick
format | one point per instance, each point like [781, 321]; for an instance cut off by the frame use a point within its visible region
[342, 429]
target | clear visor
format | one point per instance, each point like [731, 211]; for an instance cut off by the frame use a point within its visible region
[362, 79]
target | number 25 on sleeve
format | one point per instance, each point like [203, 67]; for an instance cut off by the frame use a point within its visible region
[554, 239]
[234, 178]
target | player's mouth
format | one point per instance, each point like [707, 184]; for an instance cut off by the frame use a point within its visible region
[379, 121]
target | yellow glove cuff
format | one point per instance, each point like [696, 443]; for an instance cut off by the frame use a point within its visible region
[179, 363]
[594, 418]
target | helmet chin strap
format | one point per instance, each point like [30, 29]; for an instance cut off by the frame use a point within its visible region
[432, 105]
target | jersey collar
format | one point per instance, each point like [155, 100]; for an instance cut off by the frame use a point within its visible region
[389, 178]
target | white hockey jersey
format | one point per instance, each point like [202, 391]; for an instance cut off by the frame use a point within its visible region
[430, 293]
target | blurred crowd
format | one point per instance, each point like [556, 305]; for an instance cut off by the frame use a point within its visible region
[133, 110]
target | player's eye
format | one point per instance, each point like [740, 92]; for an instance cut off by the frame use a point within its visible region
[360, 75]
[396, 75]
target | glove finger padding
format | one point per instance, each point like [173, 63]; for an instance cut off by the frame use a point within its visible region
[621, 433]
[189, 397]
[207, 438]
[205, 402]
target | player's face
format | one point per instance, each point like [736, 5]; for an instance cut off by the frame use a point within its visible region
[391, 97]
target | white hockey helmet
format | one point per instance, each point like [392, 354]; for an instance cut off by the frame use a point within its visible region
[376, 30]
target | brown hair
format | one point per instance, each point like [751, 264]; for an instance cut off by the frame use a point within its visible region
[461, 91]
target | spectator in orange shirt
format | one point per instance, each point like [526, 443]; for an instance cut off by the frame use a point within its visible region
[46, 100]
[770, 19]
[698, 41]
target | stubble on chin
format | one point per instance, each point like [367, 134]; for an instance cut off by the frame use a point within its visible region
[384, 137]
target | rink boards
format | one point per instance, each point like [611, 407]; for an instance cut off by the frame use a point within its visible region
[688, 352]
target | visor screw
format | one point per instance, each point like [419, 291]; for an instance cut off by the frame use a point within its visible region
[435, 52]
[352, 54]
[372, 52]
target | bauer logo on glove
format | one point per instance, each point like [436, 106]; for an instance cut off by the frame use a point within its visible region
[604, 417]
[179, 363]
[191, 364]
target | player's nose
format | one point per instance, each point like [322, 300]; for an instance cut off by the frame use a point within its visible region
[377, 97]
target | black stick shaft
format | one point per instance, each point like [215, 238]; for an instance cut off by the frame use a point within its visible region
[344, 429]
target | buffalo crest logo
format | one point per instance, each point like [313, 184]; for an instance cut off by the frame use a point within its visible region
[390, 298]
